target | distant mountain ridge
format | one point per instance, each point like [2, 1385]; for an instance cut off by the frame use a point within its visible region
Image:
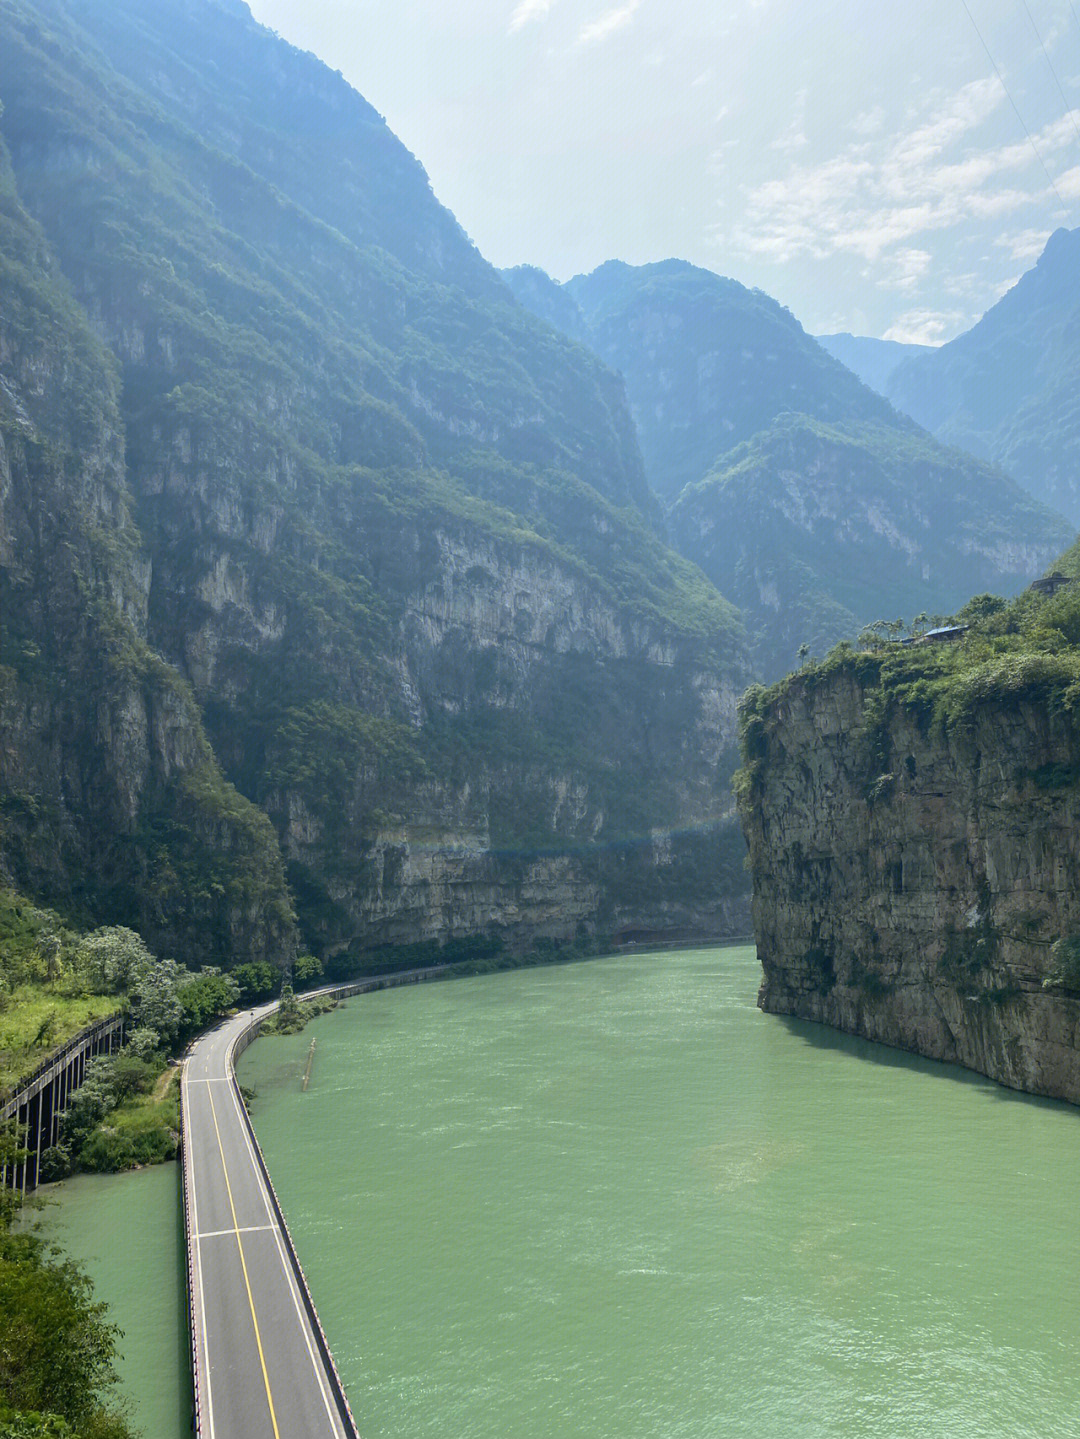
[707, 362]
[1009, 388]
[806, 497]
[818, 530]
[874, 361]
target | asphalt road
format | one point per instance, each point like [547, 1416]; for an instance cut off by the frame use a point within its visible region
[260, 1370]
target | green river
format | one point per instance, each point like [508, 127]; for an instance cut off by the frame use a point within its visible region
[612, 1200]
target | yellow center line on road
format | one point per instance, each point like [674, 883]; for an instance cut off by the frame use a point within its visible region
[243, 1266]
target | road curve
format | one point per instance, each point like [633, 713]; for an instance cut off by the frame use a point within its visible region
[262, 1368]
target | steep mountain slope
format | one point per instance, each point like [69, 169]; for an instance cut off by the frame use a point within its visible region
[1009, 388]
[548, 300]
[819, 530]
[111, 800]
[803, 495]
[395, 533]
[872, 360]
[708, 363]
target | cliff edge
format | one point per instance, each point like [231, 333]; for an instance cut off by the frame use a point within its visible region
[913, 821]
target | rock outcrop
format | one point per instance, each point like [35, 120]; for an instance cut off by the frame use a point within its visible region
[911, 876]
[401, 637]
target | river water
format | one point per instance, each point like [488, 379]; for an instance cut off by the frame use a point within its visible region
[126, 1231]
[613, 1200]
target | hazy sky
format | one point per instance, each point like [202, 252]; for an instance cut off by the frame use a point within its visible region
[859, 161]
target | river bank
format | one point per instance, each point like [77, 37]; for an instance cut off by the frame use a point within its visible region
[616, 1199]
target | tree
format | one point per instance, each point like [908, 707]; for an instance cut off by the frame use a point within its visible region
[112, 960]
[90, 1103]
[206, 996]
[132, 1075]
[58, 1348]
[155, 1002]
[288, 1010]
[257, 980]
[307, 969]
[142, 1042]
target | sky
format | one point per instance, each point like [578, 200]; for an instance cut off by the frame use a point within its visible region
[877, 168]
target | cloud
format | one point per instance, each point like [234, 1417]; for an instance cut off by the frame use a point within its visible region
[1025, 244]
[875, 199]
[1068, 184]
[794, 137]
[924, 327]
[869, 122]
[607, 23]
[528, 11]
[904, 269]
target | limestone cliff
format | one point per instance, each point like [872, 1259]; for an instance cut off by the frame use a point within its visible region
[914, 832]
[386, 540]
[111, 800]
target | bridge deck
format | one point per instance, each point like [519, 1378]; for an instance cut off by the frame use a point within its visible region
[261, 1364]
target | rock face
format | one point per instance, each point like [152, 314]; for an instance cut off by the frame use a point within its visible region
[1008, 387]
[817, 530]
[401, 637]
[909, 881]
[707, 362]
[111, 800]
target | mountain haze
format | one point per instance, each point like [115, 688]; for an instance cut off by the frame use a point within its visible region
[386, 537]
[819, 530]
[707, 362]
[804, 495]
[1009, 388]
[872, 360]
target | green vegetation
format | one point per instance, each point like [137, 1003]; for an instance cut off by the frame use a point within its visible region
[1023, 652]
[53, 980]
[1064, 964]
[815, 529]
[727, 361]
[292, 1014]
[57, 1346]
[73, 651]
[336, 434]
[51, 985]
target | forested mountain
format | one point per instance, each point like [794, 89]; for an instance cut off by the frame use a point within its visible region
[872, 360]
[325, 559]
[707, 362]
[819, 530]
[1009, 388]
[805, 497]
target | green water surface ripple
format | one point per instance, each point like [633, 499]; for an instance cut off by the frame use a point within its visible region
[615, 1201]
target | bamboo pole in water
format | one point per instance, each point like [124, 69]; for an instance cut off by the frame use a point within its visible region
[310, 1059]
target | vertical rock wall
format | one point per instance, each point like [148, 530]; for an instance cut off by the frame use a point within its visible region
[909, 881]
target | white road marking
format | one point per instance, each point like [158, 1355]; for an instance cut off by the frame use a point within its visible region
[321, 1376]
[189, 1155]
[244, 1229]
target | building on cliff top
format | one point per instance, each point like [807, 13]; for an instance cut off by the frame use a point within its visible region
[1050, 584]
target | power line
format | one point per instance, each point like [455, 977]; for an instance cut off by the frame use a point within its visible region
[1057, 82]
[1012, 102]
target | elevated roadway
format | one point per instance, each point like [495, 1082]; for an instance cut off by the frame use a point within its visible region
[262, 1367]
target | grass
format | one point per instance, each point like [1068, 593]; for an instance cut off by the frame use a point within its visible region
[29, 1008]
[143, 1130]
